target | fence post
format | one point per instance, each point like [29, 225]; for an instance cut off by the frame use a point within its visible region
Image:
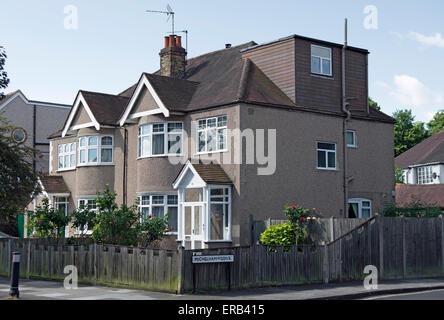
[9, 256]
[180, 270]
[404, 250]
[326, 264]
[332, 228]
[442, 243]
[28, 260]
[95, 263]
[381, 247]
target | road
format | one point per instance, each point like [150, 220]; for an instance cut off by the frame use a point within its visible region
[425, 295]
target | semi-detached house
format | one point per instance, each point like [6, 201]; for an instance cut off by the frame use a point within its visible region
[151, 142]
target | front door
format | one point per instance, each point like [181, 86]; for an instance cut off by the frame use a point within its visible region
[193, 224]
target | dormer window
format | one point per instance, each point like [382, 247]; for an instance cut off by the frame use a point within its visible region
[321, 60]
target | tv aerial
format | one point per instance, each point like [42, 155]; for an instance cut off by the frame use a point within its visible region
[169, 13]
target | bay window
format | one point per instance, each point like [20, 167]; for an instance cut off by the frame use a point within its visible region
[212, 134]
[158, 205]
[160, 139]
[95, 150]
[89, 204]
[67, 156]
[425, 175]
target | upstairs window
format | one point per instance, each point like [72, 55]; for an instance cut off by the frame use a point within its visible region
[212, 134]
[95, 150]
[425, 175]
[321, 60]
[326, 156]
[67, 156]
[160, 139]
[351, 139]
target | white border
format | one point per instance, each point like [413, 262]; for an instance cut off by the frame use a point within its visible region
[80, 99]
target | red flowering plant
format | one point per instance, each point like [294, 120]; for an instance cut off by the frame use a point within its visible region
[300, 218]
[152, 230]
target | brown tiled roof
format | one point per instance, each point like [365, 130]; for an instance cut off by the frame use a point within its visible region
[430, 150]
[175, 94]
[54, 184]
[106, 108]
[430, 194]
[212, 173]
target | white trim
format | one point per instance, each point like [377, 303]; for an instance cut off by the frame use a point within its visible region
[80, 99]
[188, 166]
[359, 202]
[166, 133]
[354, 145]
[31, 102]
[326, 156]
[143, 82]
[81, 126]
[320, 61]
[99, 147]
[144, 113]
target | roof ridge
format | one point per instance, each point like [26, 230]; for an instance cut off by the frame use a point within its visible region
[170, 78]
[243, 81]
[102, 93]
[220, 50]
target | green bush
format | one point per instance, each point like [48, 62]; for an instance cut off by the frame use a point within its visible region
[415, 209]
[280, 234]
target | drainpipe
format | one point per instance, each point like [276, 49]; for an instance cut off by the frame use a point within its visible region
[125, 148]
[346, 119]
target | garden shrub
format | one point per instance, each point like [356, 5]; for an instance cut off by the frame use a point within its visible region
[415, 209]
[47, 222]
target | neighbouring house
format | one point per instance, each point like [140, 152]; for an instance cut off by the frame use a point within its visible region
[33, 122]
[423, 173]
[229, 137]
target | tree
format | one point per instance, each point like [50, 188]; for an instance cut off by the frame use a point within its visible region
[4, 81]
[437, 123]
[407, 133]
[373, 104]
[18, 180]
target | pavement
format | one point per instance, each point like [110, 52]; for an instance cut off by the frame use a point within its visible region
[54, 290]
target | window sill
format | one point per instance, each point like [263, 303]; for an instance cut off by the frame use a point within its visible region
[327, 169]
[323, 76]
[95, 164]
[218, 241]
[160, 156]
[66, 169]
[210, 152]
[352, 147]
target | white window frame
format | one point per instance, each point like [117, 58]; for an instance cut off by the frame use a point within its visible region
[205, 131]
[354, 145]
[99, 148]
[424, 175]
[65, 154]
[321, 58]
[165, 206]
[226, 215]
[360, 202]
[142, 154]
[86, 200]
[326, 156]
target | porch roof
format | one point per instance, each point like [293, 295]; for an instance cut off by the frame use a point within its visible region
[54, 184]
[211, 173]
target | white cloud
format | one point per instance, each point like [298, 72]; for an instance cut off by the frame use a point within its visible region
[410, 93]
[435, 40]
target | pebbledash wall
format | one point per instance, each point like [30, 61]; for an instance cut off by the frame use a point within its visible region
[319, 118]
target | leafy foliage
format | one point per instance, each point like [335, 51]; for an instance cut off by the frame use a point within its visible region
[415, 209]
[4, 80]
[437, 123]
[407, 132]
[47, 222]
[123, 226]
[280, 234]
[83, 219]
[373, 104]
[18, 180]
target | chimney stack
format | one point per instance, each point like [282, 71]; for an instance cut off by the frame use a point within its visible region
[172, 57]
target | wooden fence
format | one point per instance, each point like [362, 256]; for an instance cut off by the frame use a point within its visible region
[152, 269]
[400, 248]
[323, 230]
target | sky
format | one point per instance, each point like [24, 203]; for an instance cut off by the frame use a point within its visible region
[57, 47]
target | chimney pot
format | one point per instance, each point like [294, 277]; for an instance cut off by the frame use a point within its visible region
[179, 41]
[172, 40]
[167, 42]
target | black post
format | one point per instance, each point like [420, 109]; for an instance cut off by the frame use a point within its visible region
[229, 275]
[194, 278]
[14, 292]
